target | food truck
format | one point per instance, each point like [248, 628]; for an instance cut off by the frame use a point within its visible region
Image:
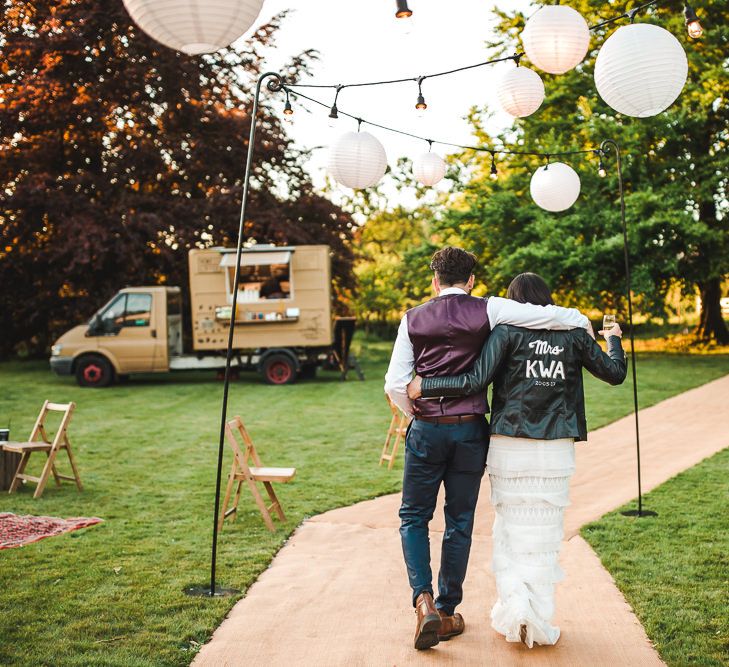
[283, 326]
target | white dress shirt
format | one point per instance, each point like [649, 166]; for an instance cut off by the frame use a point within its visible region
[499, 311]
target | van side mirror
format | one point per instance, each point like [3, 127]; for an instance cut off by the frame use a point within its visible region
[93, 329]
[97, 327]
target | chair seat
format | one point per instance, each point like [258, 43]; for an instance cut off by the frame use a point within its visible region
[20, 447]
[273, 474]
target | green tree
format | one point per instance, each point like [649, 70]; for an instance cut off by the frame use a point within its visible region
[392, 264]
[119, 154]
[675, 169]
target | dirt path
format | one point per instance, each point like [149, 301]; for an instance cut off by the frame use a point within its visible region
[337, 593]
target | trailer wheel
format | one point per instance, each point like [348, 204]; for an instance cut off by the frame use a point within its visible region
[94, 370]
[279, 369]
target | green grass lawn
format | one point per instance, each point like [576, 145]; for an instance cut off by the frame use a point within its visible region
[112, 594]
[674, 568]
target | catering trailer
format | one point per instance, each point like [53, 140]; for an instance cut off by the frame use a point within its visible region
[283, 325]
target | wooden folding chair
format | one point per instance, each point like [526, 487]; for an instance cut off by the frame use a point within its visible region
[40, 442]
[397, 430]
[241, 472]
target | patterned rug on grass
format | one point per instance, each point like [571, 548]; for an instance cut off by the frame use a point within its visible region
[18, 530]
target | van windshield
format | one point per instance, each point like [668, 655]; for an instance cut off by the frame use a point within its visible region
[125, 310]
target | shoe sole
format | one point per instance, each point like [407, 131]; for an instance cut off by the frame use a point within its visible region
[428, 633]
[445, 638]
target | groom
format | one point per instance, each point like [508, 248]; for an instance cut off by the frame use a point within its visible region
[448, 439]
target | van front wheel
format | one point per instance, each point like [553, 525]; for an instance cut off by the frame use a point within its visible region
[94, 370]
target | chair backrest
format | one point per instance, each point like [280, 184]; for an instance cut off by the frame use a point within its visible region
[393, 408]
[249, 449]
[40, 433]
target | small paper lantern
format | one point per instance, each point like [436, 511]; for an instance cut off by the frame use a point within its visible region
[194, 26]
[429, 168]
[357, 160]
[640, 70]
[521, 92]
[555, 187]
[556, 38]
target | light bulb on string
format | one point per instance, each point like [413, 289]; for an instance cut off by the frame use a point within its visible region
[420, 105]
[333, 112]
[601, 171]
[494, 174]
[288, 111]
[403, 11]
[404, 17]
[693, 26]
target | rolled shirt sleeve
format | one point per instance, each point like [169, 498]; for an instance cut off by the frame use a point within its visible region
[400, 370]
[506, 311]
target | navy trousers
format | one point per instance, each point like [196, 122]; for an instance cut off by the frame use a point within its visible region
[455, 455]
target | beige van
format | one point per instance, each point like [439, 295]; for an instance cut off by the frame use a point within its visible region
[283, 326]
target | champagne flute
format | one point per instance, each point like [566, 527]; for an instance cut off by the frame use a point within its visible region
[608, 322]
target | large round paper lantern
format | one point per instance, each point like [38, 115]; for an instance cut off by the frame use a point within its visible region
[357, 160]
[194, 26]
[555, 187]
[556, 38]
[640, 70]
[521, 92]
[429, 168]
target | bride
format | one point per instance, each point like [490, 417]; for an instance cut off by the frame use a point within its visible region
[538, 413]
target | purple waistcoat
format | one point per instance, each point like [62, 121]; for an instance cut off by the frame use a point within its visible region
[447, 334]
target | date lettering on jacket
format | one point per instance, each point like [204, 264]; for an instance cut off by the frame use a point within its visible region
[538, 369]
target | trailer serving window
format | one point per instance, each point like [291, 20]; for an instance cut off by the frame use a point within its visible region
[264, 276]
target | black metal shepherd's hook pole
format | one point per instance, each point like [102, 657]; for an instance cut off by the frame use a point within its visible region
[628, 289]
[274, 84]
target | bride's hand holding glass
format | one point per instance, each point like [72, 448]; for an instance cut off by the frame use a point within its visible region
[614, 330]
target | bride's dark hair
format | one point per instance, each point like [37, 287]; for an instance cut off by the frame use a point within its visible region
[530, 288]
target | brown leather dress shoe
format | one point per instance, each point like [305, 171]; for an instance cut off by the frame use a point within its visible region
[426, 631]
[450, 626]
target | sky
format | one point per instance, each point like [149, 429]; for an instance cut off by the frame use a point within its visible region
[362, 41]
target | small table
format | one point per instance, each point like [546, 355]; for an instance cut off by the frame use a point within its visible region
[9, 462]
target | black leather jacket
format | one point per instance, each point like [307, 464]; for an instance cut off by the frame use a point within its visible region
[537, 376]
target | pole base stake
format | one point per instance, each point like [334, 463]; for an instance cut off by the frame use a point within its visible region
[204, 592]
[639, 513]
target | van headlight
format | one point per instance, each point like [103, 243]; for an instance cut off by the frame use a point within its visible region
[56, 350]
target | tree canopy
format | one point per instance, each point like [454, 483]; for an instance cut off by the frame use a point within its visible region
[675, 171]
[117, 155]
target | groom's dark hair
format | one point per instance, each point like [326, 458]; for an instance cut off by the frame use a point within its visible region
[453, 265]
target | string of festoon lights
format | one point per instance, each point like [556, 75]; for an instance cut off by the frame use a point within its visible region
[358, 160]
[639, 71]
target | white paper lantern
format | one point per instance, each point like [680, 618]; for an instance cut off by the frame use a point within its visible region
[194, 26]
[556, 38]
[521, 92]
[357, 160]
[555, 187]
[640, 70]
[429, 168]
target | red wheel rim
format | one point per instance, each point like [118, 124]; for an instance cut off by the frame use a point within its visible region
[279, 372]
[93, 373]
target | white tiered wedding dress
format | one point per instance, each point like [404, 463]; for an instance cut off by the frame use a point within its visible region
[529, 491]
